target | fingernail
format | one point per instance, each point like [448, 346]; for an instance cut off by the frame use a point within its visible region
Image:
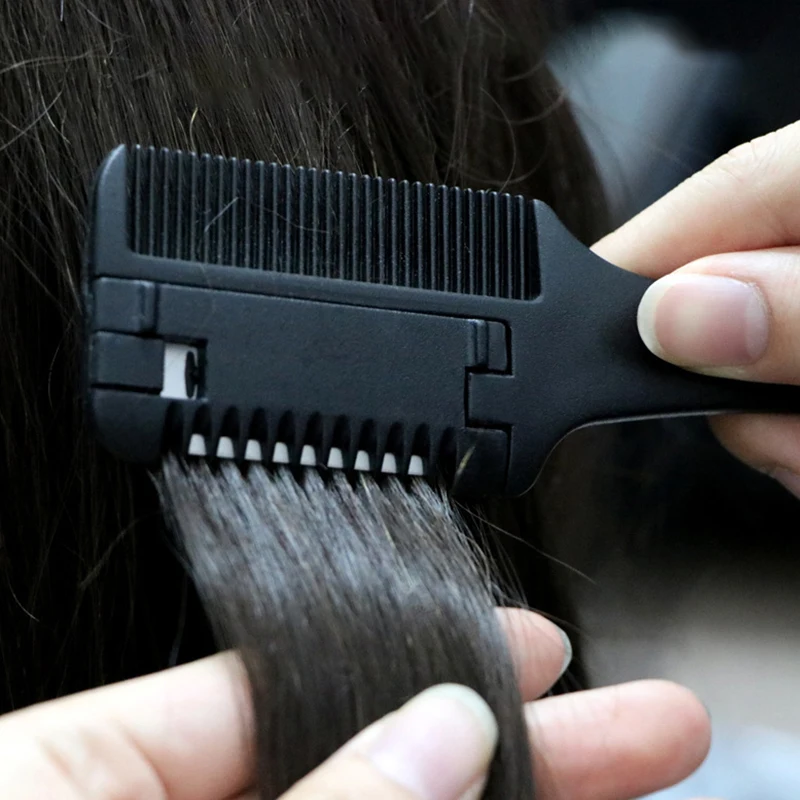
[704, 321]
[567, 651]
[439, 745]
[790, 480]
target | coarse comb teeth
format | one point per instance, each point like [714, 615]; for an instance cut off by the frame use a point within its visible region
[225, 447]
[335, 459]
[197, 445]
[280, 454]
[308, 458]
[254, 452]
[416, 466]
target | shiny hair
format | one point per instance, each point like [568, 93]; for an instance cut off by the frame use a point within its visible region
[452, 91]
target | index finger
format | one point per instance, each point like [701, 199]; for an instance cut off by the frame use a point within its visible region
[184, 733]
[746, 200]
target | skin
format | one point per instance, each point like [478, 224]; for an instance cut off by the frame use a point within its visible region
[739, 219]
[185, 734]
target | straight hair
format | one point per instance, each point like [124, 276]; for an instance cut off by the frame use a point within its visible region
[344, 600]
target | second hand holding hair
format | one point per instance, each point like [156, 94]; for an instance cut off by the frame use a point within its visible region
[186, 734]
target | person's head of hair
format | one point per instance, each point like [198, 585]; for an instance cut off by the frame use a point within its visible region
[453, 91]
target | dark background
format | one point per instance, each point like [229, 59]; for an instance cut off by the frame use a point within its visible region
[733, 74]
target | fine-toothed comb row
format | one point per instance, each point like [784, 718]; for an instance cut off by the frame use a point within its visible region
[319, 223]
[256, 312]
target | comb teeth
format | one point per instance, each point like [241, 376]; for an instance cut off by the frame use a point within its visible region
[388, 461]
[325, 224]
[280, 455]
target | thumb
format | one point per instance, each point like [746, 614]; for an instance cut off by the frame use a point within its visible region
[735, 315]
[436, 747]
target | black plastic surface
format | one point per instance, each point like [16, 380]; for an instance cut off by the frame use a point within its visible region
[480, 386]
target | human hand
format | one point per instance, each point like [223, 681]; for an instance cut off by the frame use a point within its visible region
[185, 734]
[726, 246]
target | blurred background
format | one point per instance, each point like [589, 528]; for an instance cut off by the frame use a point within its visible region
[700, 583]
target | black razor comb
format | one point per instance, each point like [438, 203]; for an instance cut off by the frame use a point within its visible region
[259, 312]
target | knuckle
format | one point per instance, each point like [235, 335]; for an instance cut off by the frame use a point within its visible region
[767, 156]
[750, 159]
[759, 170]
[98, 765]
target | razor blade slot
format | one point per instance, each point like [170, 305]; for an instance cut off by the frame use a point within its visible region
[182, 371]
[290, 381]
